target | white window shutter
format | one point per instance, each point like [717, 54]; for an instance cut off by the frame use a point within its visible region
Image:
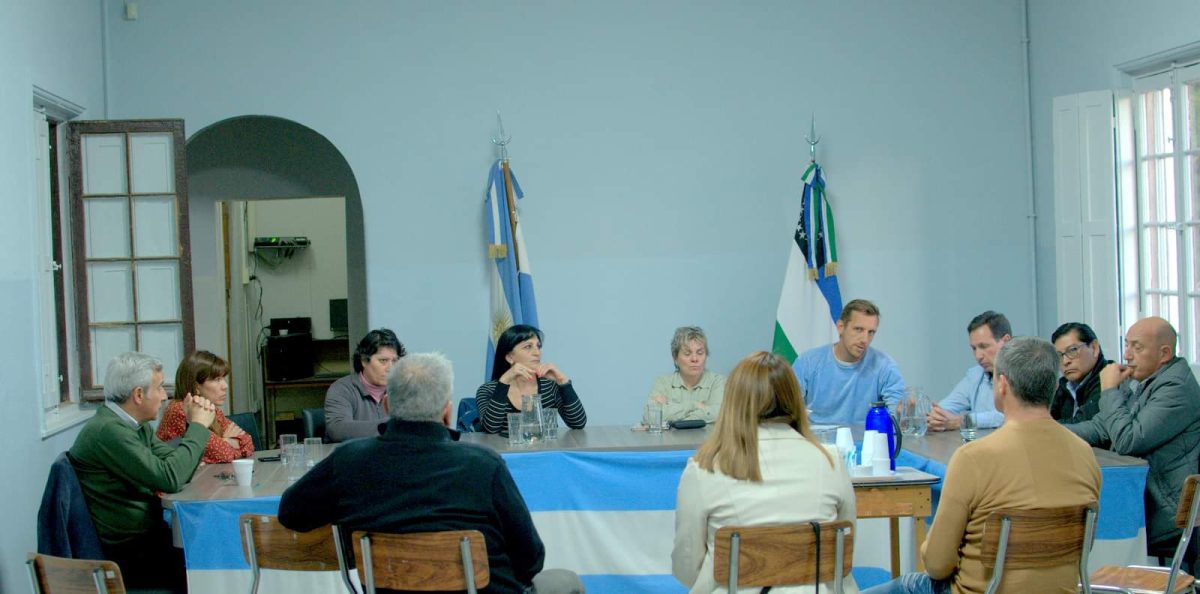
[1085, 206]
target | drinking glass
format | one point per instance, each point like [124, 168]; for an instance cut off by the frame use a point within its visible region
[293, 454]
[284, 441]
[967, 428]
[314, 451]
[516, 436]
[531, 422]
[550, 423]
[656, 419]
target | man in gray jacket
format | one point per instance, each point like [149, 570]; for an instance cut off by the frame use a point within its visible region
[1156, 417]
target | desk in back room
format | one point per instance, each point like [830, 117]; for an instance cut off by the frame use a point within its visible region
[284, 399]
[603, 500]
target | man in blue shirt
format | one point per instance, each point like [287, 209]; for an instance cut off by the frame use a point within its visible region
[842, 380]
[986, 333]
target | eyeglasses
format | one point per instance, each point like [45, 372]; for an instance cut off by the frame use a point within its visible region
[1072, 351]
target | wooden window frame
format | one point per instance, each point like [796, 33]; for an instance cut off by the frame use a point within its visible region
[83, 325]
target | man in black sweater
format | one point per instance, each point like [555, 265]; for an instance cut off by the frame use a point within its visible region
[1078, 396]
[416, 478]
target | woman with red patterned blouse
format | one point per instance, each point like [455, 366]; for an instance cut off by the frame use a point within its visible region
[203, 374]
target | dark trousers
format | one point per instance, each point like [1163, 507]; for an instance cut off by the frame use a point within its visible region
[150, 561]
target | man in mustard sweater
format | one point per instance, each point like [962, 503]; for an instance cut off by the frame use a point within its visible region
[1029, 462]
[122, 467]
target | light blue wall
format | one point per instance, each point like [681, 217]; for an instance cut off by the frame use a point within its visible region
[1075, 46]
[660, 146]
[54, 44]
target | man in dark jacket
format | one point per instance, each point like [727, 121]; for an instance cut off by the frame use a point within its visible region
[1078, 396]
[1155, 417]
[416, 478]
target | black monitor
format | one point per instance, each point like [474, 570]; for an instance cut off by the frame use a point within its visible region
[339, 323]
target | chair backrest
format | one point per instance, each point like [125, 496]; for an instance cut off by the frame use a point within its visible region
[267, 544]
[56, 575]
[1037, 538]
[468, 415]
[314, 422]
[65, 527]
[783, 554]
[423, 561]
[248, 422]
[1185, 518]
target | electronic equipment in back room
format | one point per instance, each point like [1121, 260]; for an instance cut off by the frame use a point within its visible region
[339, 320]
[273, 250]
[289, 350]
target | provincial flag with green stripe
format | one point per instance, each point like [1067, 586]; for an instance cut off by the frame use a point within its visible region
[811, 301]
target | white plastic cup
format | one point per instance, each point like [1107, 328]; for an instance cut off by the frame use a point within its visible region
[243, 469]
[845, 439]
[881, 467]
[870, 440]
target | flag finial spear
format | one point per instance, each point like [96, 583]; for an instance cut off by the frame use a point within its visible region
[501, 140]
[812, 138]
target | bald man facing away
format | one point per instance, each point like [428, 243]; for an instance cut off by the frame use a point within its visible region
[1156, 417]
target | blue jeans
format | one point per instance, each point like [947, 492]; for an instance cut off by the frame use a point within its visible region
[911, 583]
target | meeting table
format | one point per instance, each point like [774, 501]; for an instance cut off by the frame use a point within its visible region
[603, 501]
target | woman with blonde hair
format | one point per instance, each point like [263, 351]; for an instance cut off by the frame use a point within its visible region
[760, 465]
[203, 374]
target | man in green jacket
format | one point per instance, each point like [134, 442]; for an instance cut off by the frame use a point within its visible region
[123, 467]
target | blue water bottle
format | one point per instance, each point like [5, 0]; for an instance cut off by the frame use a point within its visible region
[879, 419]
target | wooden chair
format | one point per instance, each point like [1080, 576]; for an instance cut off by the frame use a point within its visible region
[1160, 579]
[783, 554]
[58, 575]
[267, 544]
[422, 561]
[1038, 538]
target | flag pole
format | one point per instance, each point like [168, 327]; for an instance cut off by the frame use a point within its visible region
[812, 139]
[501, 140]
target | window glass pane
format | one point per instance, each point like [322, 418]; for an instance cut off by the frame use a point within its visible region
[164, 341]
[110, 292]
[1195, 346]
[1190, 254]
[107, 222]
[153, 164]
[1164, 306]
[1160, 259]
[1191, 98]
[1158, 190]
[158, 290]
[106, 344]
[154, 226]
[103, 158]
[1157, 123]
[1193, 188]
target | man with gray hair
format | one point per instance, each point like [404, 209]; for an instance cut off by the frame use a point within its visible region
[1029, 462]
[416, 478]
[122, 467]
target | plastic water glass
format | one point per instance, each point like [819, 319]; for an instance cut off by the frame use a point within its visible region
[313, 451]
[531, 422]
[968, 427]
[549, 423]
[656, 419]
[294, 460]
[516, 436]
[284, 441]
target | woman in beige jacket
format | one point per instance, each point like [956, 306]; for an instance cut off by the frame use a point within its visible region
[761, 465]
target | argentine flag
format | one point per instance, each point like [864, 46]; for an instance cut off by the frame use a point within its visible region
[811, 301]
[511, 276]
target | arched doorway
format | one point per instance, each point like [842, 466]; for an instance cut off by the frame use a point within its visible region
[255, 159]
